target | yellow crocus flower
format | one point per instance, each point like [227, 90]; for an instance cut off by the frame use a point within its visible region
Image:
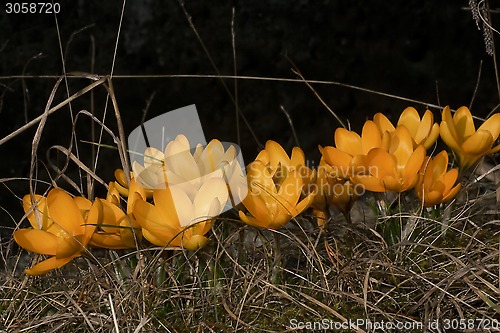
[62, 230]
[273, 196]
[468, 145]
[436, 184]
[423, 131]
[178, 220]
[395, 169]
[348, 157]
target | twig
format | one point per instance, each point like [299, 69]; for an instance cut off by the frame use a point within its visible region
[113, 313]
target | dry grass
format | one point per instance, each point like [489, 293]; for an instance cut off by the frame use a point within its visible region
[339, 273]
[444, 264]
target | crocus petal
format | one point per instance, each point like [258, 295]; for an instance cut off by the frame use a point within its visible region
[414, 163]
[449, 179]
[211, 156]
[411, 120]
[358, 164]
[464, 124]
[121, 177]
[279, 221]
[274, 222]
[448, 119]
[67, 247]
[298, 158]
[427, 177]
[179, 144]
[258, 204]
[189, 186]
[229, 155]
[213, 189]
[436, 185]
[383, 123]
[260, 178]
[370, 183]
[130, 232]
[48, 265]
[40, 209]
[424, 127]
[183, 164]
[290, 191]
[152, 217]
[111, 216]
[183, 207]
[277, 154]
[158, 238]
[347, 141]
[250, 220]
[122, 190]
[65, 213]
[338, 159]
[263, 156]
[83, 204]
[370, 137]
[381, 163]
[391, 184]
[492, 125]
[478, 144]
[197, 151]
[110, 241]
[433, 198]
[194, 242]
[446, 132]
[201, 228]
[431, 137]
[164, 207]
[136, 188]
[439, 164]
[153, 157]
[304, 204]
[409, 182]
[94, 218]
[37, 241]
[152, 177]
[345, 196]
[452, 193]
[401, 145]
[494, 150]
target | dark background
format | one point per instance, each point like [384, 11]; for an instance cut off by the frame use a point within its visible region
[428, 51]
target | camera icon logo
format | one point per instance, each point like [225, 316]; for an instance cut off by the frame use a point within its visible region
[169, 153]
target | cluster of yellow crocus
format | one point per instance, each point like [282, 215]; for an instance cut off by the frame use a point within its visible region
[188, 191]
[276, 184]
[173, 198]
[388, 158]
